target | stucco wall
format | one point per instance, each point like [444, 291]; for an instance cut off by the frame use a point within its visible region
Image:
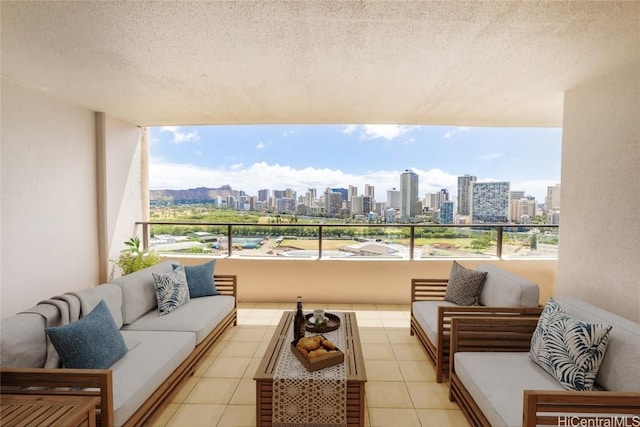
[49, 217]
[48, 198]
[124, 207]
[599, 259]
[355, 281]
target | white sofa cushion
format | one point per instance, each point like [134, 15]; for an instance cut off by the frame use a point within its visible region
[426, 313]
[138, 291]
[505, 289]
[199, 315]
[145, 367]
[496, 382]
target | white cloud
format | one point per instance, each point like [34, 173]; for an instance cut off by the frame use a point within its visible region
[452, 132]
[180, 137]
[166, 175]
[388, 132]
[261, 146]
[491, 156]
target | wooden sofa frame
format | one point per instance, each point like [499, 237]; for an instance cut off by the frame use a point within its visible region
[95, 382]
[434, 290]
[513, 334]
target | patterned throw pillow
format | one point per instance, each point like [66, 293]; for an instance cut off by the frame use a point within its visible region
[464, 285]
[171, 290]
[567, 348]
[93, 342]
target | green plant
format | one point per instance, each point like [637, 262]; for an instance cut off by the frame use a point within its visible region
[133, 258]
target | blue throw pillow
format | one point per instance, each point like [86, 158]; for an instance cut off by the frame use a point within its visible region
[200, 279]
[93, 342]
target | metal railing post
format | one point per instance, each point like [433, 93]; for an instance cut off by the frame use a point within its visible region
[319, 242]
[412, 241]
[229, 238]
[499, 242]
[145, 237]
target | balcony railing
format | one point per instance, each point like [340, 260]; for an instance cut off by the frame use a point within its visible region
[379, 241]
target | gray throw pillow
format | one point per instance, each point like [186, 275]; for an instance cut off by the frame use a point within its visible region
[200, 279]
[464, 285]
[93, 342]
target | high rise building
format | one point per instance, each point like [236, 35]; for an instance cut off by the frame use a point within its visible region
[408, 195]
[443, 195]
[353, 191]
[552, 201]
[356, 205]
[516, 195]
[279, 194]
[464, 193]
[312, 195]
[520, 208]
[332, 201]
[393, 199]
[343, 191]
[490, 202]
[432, 201]
[263, 195]
[370, 190]
[446, 212]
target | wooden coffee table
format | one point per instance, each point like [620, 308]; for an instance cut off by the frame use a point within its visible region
[356, 375]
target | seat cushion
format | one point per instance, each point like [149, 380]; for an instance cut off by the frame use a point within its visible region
[496, 382]
[200, 315]
[141, 371]
[426, 313]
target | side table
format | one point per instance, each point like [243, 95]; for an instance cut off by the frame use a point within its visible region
[48, 410]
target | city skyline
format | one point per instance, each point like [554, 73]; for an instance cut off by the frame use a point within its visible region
[253, 157]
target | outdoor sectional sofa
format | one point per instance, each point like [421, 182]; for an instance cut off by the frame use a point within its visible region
[161, 350]
[502, 293]
[496, 383]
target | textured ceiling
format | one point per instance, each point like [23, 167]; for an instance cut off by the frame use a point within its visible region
[497, 63]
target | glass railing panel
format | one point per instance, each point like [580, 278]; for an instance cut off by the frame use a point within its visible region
[454, 242]
[365, 241]
[530, 241]
[187, 239]
[275, 241]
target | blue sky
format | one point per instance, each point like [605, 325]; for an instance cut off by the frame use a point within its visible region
[252, 157]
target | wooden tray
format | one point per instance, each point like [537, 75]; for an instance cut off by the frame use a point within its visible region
[329, 359]
[332, 324]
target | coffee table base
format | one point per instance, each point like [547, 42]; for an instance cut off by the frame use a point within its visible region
[356, 376]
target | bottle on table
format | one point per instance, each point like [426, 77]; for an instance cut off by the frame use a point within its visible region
[299, 322]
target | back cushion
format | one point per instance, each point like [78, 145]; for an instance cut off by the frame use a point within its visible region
[138, 291]
[505, 289]
[23, 342]
[112, 296]
[620, 368]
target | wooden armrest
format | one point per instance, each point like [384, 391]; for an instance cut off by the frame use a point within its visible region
[569, 407]
[446, 313]
[226, 284]
[490, 333]
[428, 289]
[77, 382]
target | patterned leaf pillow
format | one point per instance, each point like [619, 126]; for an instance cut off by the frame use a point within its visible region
[569, 349]
[172, 290]
[464, 285]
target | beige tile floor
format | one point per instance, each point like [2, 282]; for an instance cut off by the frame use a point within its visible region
[400, 391]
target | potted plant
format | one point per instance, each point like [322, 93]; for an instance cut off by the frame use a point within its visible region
[133, 258]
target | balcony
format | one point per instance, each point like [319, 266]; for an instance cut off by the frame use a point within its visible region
[342, 276]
